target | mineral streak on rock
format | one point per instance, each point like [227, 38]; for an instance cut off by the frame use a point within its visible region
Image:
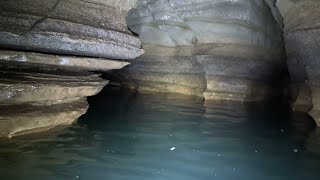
[219, 49]
[302, 38]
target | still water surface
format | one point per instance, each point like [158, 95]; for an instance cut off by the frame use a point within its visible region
[129, 136]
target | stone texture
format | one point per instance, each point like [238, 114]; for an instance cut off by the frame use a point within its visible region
[33, 102]
[24, 119]
[219, 49]
[72, 27]
[240, 73]
[174, 72]
[302, 44]
[47, 48]
[285, 5]
[59, 61]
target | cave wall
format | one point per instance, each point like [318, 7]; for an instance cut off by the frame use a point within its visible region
[217, 49]
[47, 48]
[301, 32]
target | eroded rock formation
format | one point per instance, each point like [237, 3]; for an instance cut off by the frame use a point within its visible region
[302, 38]
[33, 102]
[219, 49]
[47, 48]
[73, 27]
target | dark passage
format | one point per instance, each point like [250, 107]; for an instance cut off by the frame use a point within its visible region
[134, 136]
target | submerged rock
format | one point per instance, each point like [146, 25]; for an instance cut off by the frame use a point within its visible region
[33, 102]
[219, 49]
[302, 38]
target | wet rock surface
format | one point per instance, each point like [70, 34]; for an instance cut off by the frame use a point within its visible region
[33, 102]
[216, 49]
[302, 40]
[47, 48]
[25, 119]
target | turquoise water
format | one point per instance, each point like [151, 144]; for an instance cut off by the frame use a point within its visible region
[132, 136]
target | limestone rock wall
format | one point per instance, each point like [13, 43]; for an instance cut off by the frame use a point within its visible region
[73, 27]
[47, 48]
[33, 102]
[168, 64]
[219, 49]
[302, 38]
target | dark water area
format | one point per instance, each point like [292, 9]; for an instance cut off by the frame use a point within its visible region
[131, 136]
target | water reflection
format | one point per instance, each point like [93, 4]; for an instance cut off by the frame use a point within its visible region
[168, 136]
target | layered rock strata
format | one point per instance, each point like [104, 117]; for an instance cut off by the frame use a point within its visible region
[33, 102]
[219, 49]
[165, 69]
[74, 27]
[32, 60]
[302, 38]
[47, 48]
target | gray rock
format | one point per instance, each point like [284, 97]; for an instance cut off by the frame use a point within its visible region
[302, 40]
[176, 22]
[169, 72]
[17, 120]
[234, 48]
[16, 88]
[34, 102]
[47, 48]
[69, 27]
[33, 60]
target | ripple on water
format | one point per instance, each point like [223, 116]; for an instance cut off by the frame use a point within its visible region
[162, 136]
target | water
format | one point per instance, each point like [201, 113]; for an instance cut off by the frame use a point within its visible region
[157, 136]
